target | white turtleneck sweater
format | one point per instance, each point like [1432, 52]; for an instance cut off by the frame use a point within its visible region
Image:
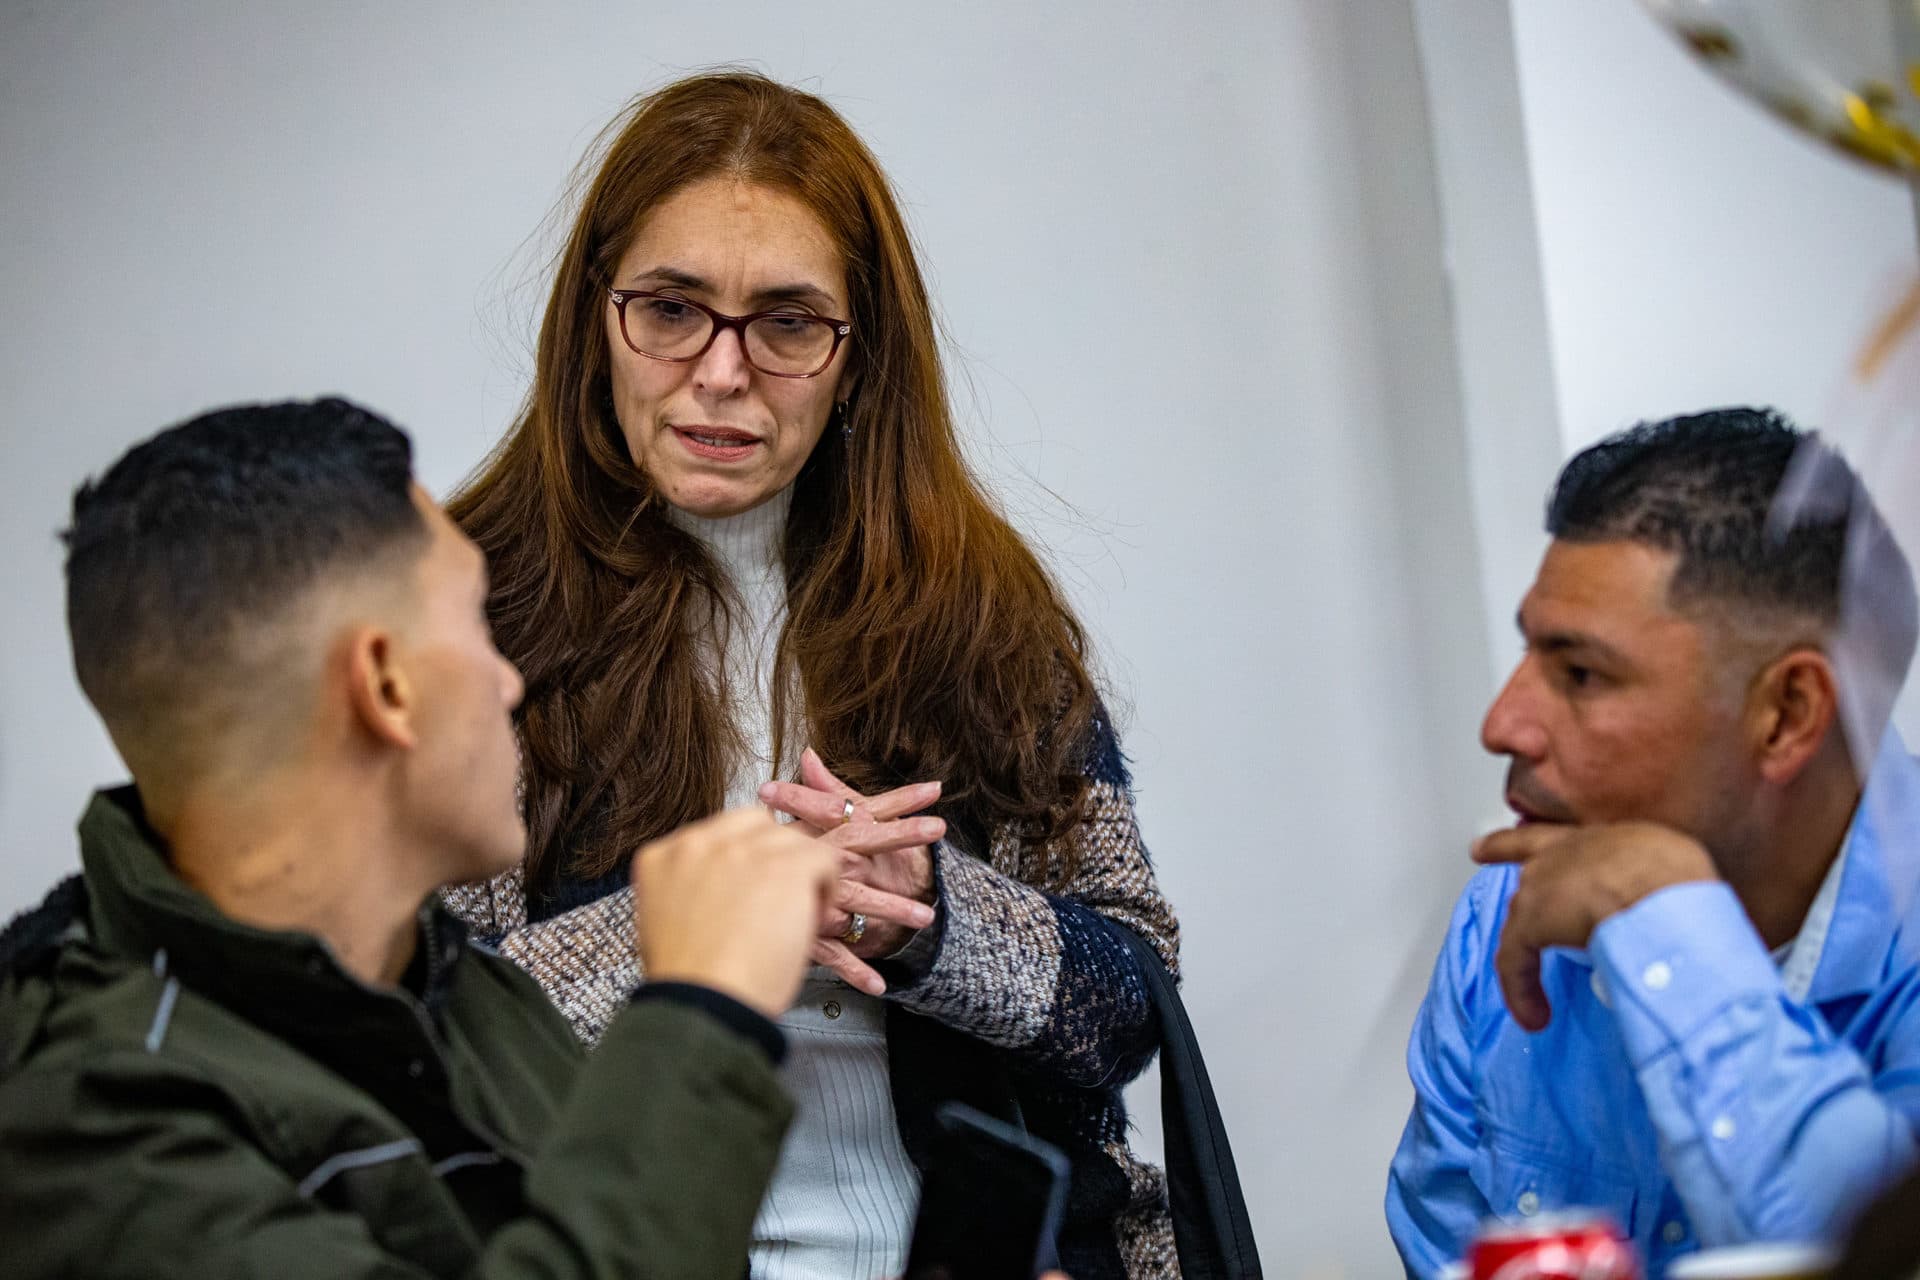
[842, 1198]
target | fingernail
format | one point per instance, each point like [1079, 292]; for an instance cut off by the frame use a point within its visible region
[923, 916]
[768, 791]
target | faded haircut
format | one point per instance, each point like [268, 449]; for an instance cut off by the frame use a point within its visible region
[215, 526]
[1763, 517]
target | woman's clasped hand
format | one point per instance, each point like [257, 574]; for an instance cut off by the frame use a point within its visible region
[885, 844]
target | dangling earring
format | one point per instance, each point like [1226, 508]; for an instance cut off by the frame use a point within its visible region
[843, 417]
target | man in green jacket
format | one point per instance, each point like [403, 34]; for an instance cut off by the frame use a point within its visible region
[248, 1041]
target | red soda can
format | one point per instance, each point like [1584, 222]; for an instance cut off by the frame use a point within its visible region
[1577, 1245]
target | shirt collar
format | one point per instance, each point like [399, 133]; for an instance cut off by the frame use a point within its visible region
[1802, 956]
[1874, 882]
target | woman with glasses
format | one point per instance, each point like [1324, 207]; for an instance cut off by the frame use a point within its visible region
[739, 559]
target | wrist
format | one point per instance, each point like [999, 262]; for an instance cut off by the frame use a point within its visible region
[925, 885]
[1667, 858]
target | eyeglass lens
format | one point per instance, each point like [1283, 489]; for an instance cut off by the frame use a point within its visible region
[776, 343]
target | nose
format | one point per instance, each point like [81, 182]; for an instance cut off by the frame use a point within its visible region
[1512, 726]
[722, 368]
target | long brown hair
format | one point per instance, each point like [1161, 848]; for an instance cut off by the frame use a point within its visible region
[923, 637]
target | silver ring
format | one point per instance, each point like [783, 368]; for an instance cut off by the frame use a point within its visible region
[856, 929]
[846, 812]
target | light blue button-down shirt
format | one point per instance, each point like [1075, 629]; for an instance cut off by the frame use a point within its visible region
[1687, 1085]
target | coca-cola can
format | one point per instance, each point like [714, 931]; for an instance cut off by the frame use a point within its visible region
[1556, 1246]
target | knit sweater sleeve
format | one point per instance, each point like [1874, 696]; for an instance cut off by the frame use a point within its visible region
[584, 959]
[1044, 974]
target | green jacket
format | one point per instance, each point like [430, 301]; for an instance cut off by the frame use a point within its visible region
[183, 1095]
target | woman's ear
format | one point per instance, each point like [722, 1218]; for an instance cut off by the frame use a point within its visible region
[1792, 706]
[382, 698]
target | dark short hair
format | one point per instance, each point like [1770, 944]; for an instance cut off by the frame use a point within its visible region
[221, 520]
[1706, 486]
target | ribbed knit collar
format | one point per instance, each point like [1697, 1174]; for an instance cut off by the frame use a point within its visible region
[747, 544]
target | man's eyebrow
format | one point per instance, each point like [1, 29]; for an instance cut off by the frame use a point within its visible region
[1553, 641]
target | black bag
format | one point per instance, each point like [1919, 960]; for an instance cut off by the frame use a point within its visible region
[1210, 1227]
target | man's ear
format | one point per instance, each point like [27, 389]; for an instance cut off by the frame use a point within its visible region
[383, 699]
[1792, 708]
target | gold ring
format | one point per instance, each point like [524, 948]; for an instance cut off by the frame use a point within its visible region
[856, 929]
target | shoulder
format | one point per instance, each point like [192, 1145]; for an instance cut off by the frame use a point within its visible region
[33, 935]
[1481, 907]
[116, 1053]
[1104, 763]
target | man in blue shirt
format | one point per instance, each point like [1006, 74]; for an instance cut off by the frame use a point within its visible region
[1685, 990]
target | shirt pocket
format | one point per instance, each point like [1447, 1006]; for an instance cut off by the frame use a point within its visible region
[1521, 1180]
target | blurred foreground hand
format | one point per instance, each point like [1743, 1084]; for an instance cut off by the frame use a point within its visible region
[732, 903]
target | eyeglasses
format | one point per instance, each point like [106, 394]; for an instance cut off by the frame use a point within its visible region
[785, 344]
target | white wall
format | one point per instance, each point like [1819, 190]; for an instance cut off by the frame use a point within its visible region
[1628, 238]
[1296, 307]
[1691, 252]
[1189, 298]
[1696, 252]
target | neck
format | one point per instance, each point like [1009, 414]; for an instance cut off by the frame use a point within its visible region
[1778, 882]
[304, 854]
[747, 543]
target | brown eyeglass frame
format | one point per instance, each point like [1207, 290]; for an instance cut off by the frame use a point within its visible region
[721, 320]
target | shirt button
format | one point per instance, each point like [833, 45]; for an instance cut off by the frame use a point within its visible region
[416, 1068]
[1674, 1232]
[1657, 975]
[1723, 1128]
[831, 1008]
[1528, 1204]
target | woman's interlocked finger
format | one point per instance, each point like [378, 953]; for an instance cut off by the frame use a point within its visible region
[827, 810]
[857, 973]
[854, 898]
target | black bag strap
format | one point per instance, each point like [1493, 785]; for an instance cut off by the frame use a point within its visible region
[1211, 1231]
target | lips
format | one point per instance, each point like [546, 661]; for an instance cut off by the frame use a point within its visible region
[1529, 802]
[720, 444]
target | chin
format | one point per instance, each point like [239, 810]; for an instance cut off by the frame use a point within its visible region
[496, 856]
[715, 497]
[712, 503]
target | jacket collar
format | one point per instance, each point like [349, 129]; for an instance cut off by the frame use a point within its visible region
[139, 907]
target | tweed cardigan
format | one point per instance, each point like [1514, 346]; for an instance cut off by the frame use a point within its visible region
[1030, 1009]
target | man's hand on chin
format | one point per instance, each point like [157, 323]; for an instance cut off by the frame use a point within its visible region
[1572, 878]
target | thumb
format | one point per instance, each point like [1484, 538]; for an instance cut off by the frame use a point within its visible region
[1518, 965]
